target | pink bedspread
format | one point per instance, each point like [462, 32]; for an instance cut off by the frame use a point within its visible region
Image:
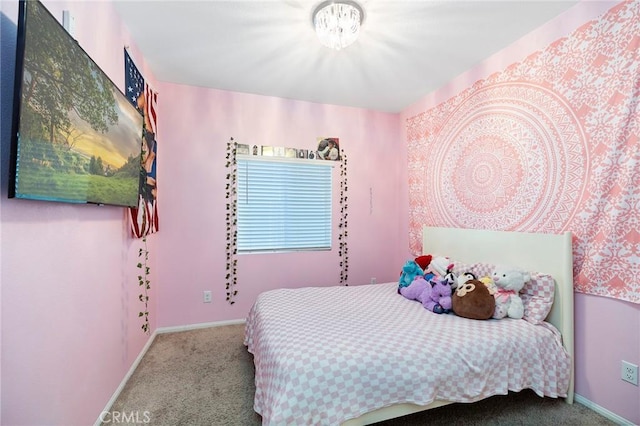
[329, 354]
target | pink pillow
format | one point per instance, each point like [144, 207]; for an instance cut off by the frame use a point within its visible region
[537, 295]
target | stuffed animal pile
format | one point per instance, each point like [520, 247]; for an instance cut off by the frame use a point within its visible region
[431, 281]
[430, 285]
[413, 268]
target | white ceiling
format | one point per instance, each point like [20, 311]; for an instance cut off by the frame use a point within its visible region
[406, 50]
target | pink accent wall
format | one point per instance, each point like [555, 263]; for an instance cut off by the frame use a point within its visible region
[68, 284]
[606, 330]
[195, 124]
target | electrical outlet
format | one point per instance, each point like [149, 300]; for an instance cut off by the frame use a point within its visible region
[373, 280]
[207, 297]
[630, 373]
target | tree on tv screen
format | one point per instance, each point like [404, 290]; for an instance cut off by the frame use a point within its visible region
[59, 78]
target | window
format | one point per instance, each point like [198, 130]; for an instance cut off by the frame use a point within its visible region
[283, 206]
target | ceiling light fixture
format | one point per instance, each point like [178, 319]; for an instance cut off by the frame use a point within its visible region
[337, 23]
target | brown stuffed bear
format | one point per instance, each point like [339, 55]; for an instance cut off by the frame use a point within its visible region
[473, 300]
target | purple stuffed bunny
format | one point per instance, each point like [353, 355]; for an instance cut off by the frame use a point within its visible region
[435, 294]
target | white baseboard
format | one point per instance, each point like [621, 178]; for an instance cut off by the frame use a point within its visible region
[160, 330]
[602, 411]
[115, 395]
[198, 326]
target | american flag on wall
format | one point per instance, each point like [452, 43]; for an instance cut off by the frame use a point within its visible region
[144, 218]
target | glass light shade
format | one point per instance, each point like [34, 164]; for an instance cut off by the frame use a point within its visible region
[337, 23]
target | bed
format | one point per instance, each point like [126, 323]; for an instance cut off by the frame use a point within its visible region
[357, 355]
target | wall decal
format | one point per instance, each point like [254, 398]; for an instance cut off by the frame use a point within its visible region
[507, 169]
[343, 251]
[231, 270]
[547, 145]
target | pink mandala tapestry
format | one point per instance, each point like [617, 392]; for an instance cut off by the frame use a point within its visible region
[551, 144]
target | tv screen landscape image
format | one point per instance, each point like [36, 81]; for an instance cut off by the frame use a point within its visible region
[75, 136]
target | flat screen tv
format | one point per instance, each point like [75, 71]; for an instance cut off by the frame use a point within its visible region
[75, 136]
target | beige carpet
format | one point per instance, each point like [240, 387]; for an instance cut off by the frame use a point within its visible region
[205, 377]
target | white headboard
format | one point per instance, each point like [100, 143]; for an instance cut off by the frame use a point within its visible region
[546, 253]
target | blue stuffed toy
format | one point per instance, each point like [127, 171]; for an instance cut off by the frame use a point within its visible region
[410, 270]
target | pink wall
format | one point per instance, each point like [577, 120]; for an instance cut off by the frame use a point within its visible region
[194, 127]
[70, 328]
[606, 329]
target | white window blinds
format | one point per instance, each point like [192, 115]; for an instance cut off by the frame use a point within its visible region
[283, 206]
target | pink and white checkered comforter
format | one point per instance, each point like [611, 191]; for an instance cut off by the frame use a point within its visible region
[328, 354]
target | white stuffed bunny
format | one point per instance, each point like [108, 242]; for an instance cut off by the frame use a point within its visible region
[508, 283]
